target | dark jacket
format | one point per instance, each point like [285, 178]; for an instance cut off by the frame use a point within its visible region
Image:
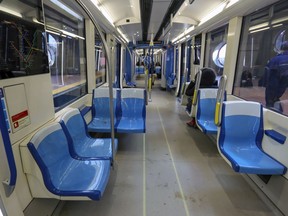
[207, 80]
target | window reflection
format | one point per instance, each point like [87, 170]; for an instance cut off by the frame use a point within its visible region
[22, 42]
[262, 69]
[197, 49]
[216, 49]
[66, 53]
[280, 38]
[100, 60]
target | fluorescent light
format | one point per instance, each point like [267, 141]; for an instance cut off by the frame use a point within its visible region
[121, 33]
[279, 20]
[258, 26]
[182, 39]
[187, 31]
[52, 32]
[59, 31]
[278, 25]
[258, 30]
[103, 11]
[213, 13]
[72, 35]
[10, 11]
[67, 9]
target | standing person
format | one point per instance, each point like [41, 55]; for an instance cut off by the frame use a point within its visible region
[276, 77]
[207, 80]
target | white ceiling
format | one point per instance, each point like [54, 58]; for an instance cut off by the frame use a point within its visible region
[158, 12]
[122, 10]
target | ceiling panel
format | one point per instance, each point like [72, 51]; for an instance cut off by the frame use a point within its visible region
[121, 9]
[133, 31]
[158, 12]
[200, 8]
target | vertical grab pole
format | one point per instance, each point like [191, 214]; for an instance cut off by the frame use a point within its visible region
[194, 99]
[88, 12]
[220, 99]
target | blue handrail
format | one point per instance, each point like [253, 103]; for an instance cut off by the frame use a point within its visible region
[9, 184]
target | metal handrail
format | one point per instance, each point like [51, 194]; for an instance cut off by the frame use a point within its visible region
[92, 18]
[219, 99]
[197, 86]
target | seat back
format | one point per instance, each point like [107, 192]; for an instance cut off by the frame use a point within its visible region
[76, 126]
[241, 123]
[100, 102]
[49, 148]
[206, 103]
[133, 104]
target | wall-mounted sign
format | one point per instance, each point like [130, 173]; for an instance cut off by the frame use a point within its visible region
[17, 106]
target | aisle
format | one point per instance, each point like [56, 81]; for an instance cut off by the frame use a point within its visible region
[177, 172]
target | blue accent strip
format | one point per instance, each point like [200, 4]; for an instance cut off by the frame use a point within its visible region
[260, 134]
[276, 136]
[85, 110]
[7, 145]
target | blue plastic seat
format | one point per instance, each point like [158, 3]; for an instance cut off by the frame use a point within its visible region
[63, 175]
[240, 139]
[101, 111]
[81, 145]
[170, 81]
[206, 104]
[131, 115]
[158, 69]
[140, 70]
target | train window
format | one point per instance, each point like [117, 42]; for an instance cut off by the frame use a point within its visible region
[66, 52]
[216, 49]
[22, 42]
[100, 60]
[197, 49]
[262, 67]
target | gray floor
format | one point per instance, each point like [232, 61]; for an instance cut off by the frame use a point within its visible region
[178, 171]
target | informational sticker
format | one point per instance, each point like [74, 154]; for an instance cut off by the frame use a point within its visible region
[16, 99]
[20, 119]
[5, 110]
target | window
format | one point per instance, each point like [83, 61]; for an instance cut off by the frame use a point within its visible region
[100, 60]
[262, 67]
[22, 42]
[66, 52]
[216, 49]
[197, 49]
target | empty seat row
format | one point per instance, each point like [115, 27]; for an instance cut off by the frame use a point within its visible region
[240, 134]
[240, 139]
[129, 107]
[140, 70]
[66, 162]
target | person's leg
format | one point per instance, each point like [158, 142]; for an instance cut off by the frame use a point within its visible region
[192, 123]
